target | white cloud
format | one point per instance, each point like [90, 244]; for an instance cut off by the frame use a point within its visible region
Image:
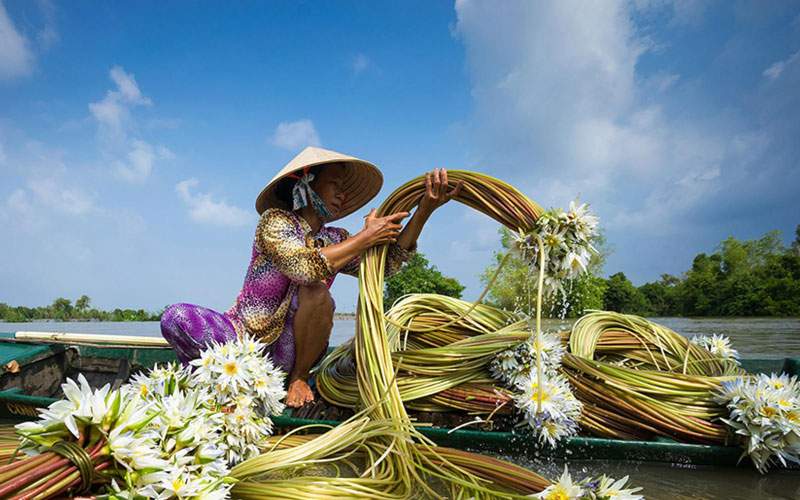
[560, 109]
[139, 162]
[113, 111]
[16, 58]
[133, 158]
[52, 192]
[127, 87]
[776, 69]
[295, 135]
[360, 63]
[204, 209]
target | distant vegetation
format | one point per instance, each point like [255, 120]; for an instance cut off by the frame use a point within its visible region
[741, 278]
[419, 276]
[64, 310]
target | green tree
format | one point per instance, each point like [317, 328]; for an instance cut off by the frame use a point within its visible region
[622, 296]
[61, 309]
[419, 276]
[82, 305]
[662, 295]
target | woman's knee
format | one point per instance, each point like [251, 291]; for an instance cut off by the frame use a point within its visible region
[169, 319]
[316, 297]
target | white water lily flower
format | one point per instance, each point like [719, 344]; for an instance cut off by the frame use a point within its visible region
[718, 345]
[551, 409]
[563, 489]
[513, 366]
[608, 489]
[764, 411]
[135, 453]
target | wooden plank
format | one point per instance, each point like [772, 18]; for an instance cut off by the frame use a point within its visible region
[92, 339]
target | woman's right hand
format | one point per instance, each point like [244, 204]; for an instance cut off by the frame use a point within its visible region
[380, 230]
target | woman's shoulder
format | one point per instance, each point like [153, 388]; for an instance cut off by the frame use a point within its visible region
[272, 213]
[276, 219]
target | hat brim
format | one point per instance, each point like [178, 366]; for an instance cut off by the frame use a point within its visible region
[362, 182]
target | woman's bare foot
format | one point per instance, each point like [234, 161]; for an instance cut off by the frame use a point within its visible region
[298, 394]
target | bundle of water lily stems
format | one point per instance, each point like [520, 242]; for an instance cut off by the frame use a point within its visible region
[380, 445]
[636, 379]
[441, 347]
[639, 380]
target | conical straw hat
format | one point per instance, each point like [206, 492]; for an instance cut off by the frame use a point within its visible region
[362, 180]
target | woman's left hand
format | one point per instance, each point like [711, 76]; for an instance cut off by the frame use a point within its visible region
[436, 190]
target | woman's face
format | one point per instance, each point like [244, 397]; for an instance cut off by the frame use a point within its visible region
[328, 185]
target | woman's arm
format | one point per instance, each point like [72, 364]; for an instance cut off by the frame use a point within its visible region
[380, 230]
[377, 231]
[436, 195]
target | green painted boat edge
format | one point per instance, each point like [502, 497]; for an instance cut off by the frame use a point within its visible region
[18, 406]
[575, 448]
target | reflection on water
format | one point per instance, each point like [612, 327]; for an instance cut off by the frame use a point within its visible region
[667, 482]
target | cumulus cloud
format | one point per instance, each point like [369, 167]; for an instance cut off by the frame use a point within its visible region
[16, 57]
[203, 208]
[561, 110]
[295, 135]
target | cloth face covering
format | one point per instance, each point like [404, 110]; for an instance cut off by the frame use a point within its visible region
[302, 194]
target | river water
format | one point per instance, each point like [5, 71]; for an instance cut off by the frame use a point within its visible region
[752, 337]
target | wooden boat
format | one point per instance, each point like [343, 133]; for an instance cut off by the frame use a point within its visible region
[33, 365]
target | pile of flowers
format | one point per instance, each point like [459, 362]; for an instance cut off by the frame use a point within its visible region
[173, 432]
[566, 238]
[765, 412]
[513, 366]
[602, 488]
[552, 411]
[561, 242]
[718, 345]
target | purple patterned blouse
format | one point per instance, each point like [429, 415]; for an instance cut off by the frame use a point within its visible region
[286, 256]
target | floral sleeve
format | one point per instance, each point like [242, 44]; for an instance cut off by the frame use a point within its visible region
[280, 240]
[395, 257]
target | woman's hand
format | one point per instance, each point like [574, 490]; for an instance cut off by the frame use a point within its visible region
[436, 191]
[380, 230]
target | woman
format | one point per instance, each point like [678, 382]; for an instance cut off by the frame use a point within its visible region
[285, 300]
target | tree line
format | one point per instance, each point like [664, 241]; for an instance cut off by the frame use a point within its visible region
[759, 277]
[64, 310]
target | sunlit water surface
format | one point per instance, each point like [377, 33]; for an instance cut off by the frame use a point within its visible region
[753, 337]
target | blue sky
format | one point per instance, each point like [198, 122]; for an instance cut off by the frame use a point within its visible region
[134, 137]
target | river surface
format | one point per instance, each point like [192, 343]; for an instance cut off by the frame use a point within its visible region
[752, 337]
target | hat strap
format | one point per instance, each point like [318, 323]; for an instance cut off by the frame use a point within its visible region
[303, 194]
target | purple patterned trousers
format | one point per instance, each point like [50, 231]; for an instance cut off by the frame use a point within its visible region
[189, 329]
